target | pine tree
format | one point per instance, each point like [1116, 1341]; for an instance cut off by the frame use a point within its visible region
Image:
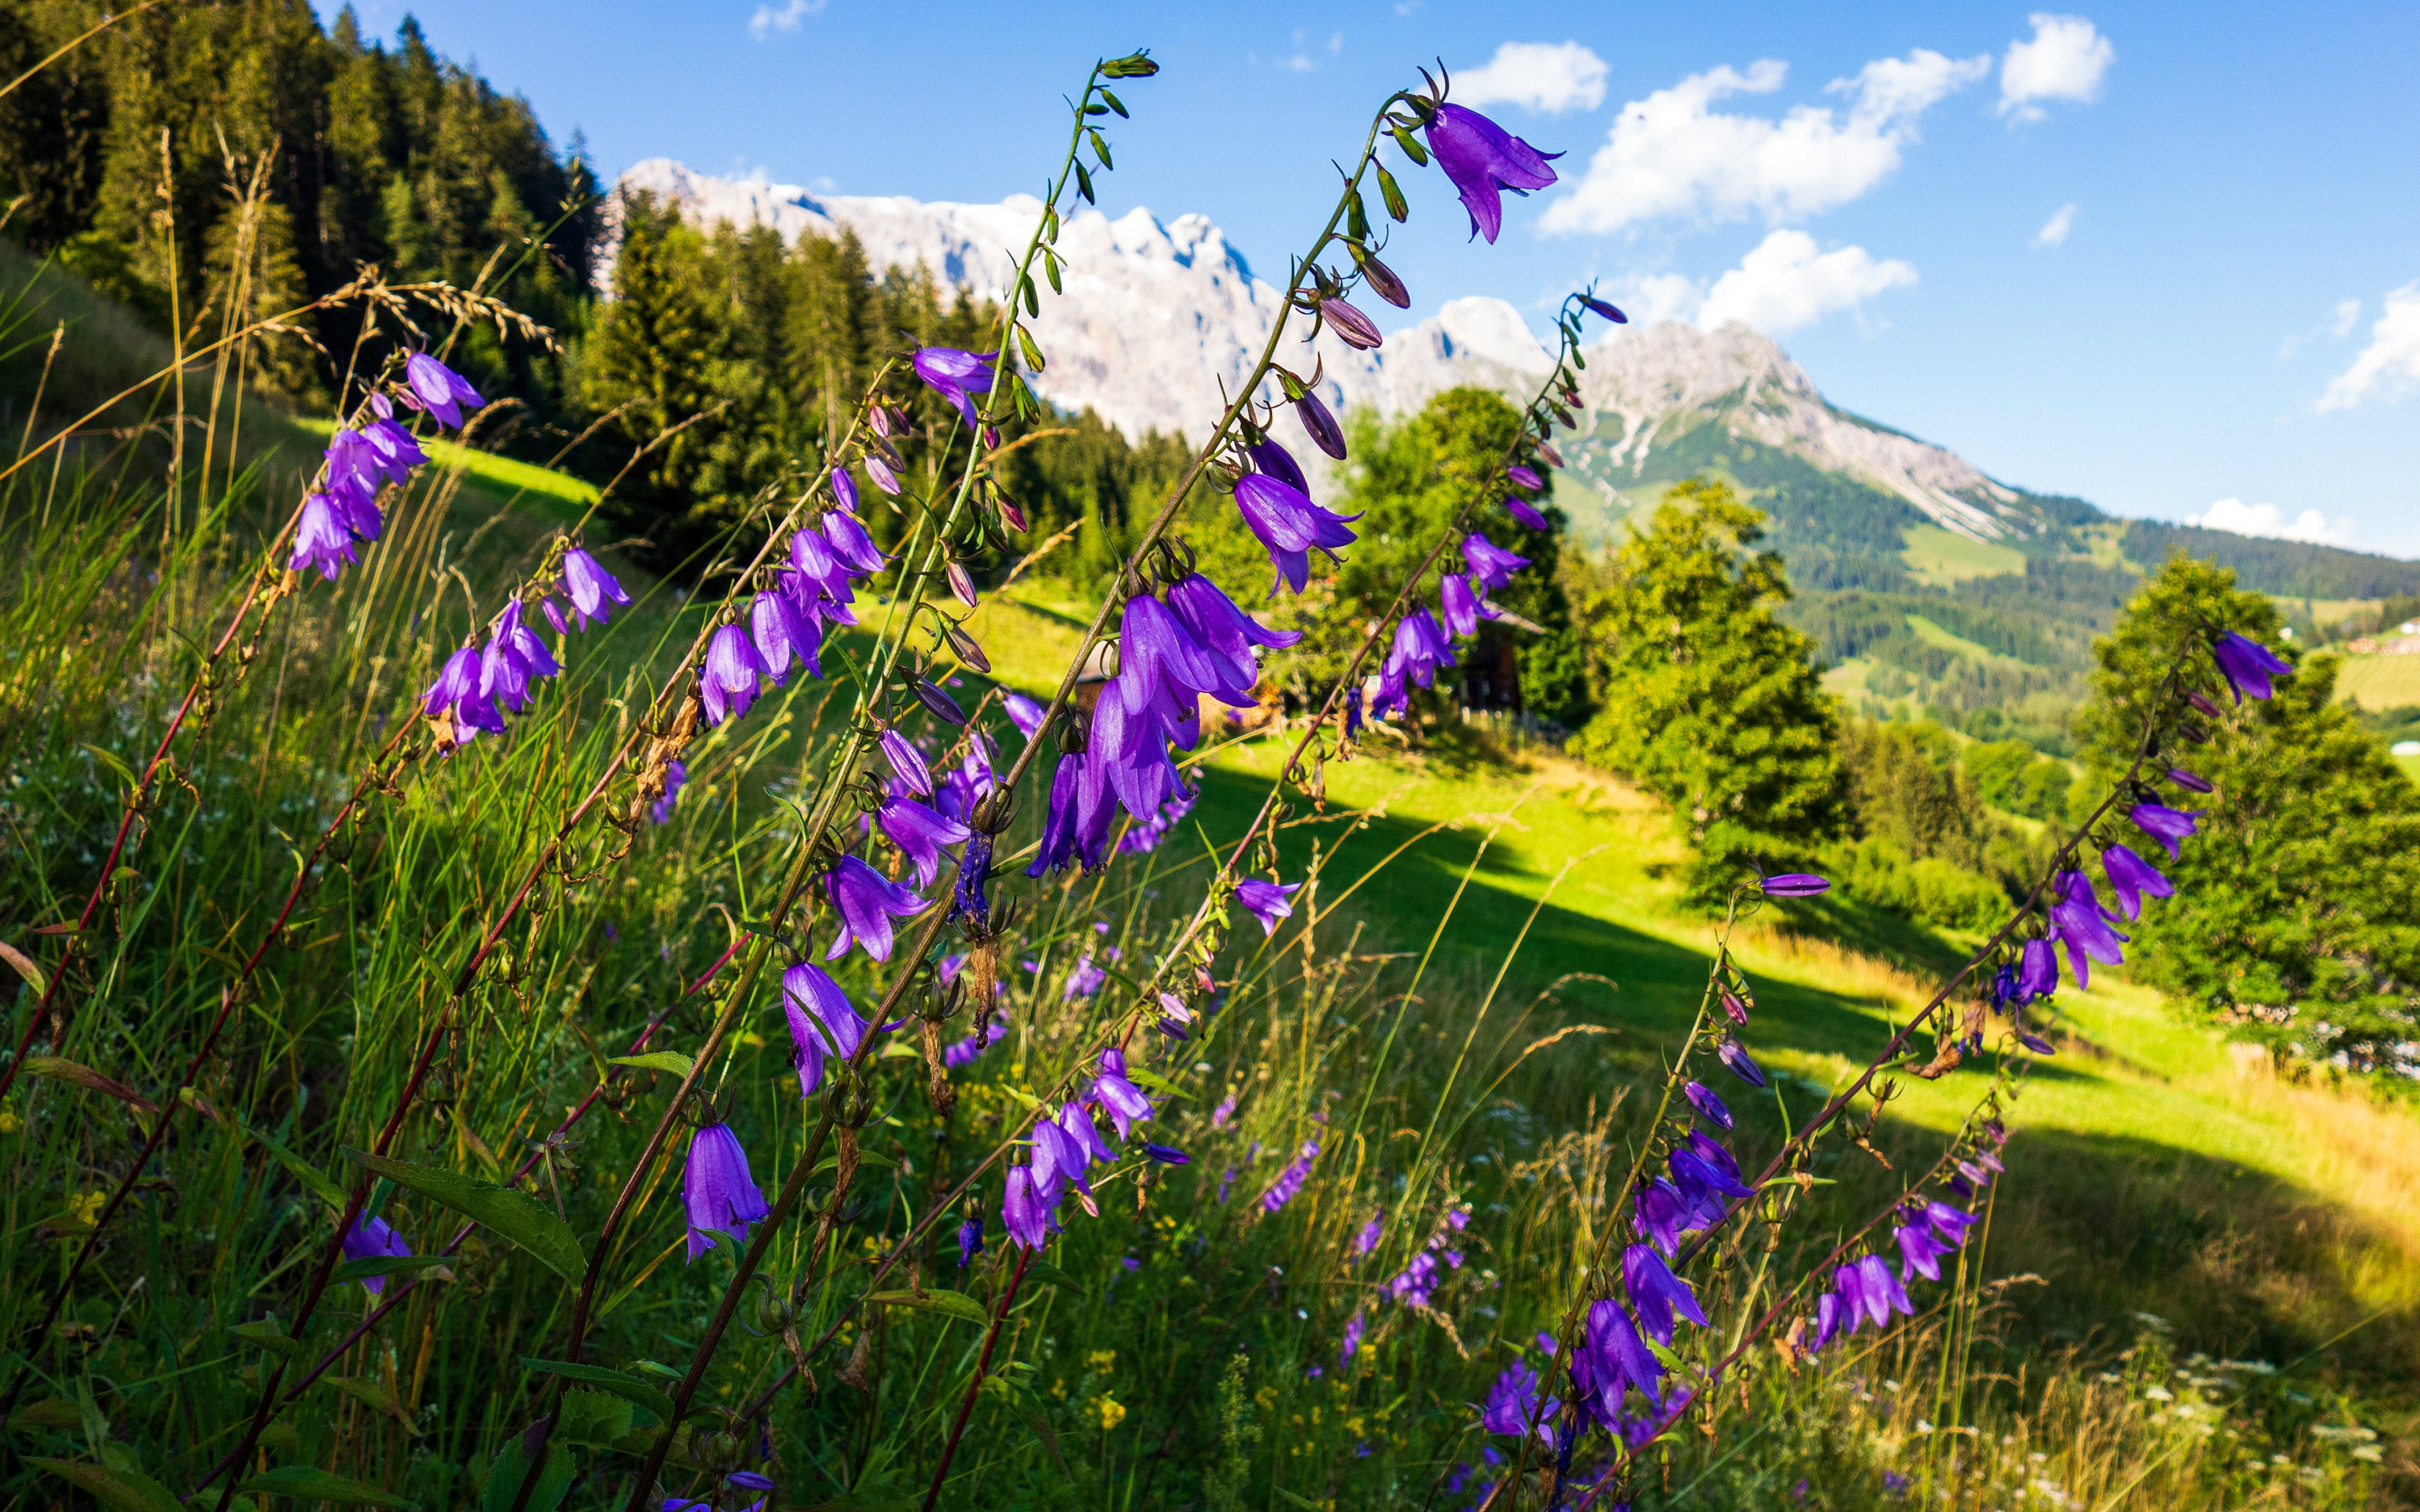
[1707, 699]
[2297, 913]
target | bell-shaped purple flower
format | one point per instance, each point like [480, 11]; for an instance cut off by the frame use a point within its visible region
[2169, 826]
[2130, 877]
[1461, 608]
[970, 1241]
[1320, 426]
[321, 538]
[780, 632]
[591, 587]
[1023, 713]
[1120, 1098]
[728, 682]
[1158, 656]
[1512, 1403]
[439, 390]
[844, 489]
[1524, 478]
[2189, 782]
[954, 375]
[920, 835]
[867, 901]
[394, 449]
[1491, 565]
[1021, 1210]
[906, 762]
[849, 542]
[1795, 884]
[1225, 633]
[1482, 159]
[1884, 1295]
[1601, 307]
[374, 1236]
[2083, 925]
[1419, 649]
[819, 1013]
[1269, 902]
[2037, 971]
[1526, 514]
[1278, 463]
[1657, 1295]
[717, 1190]
[2248, 665]
[1659, 1214]
[1076, 1119]
[1618, 1357]
[1289, 525]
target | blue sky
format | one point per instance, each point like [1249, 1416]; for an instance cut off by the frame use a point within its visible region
[2165, 258]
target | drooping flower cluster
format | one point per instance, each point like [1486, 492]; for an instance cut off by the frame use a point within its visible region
[1065, 1146]
[361, 461]
[1865, 1290]
[2077, 920]
[1172, 653]
[785, 621]
[480, 684]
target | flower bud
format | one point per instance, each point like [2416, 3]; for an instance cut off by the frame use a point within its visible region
[962, 586]
[1382, 279]
[941, 706]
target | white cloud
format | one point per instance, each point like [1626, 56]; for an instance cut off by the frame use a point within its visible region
[1551, 77]
[2065, 60]
[2348, 313]
[2054, 230]
[2267, 519]
[768, 21]
[2389, 367]
[1671, 155]
[1785, 282]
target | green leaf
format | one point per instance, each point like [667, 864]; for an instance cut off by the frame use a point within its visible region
[955, 1305]
[1145, 1076]
[116, 765]
[123, 1489]
[1046, 1271]
[374, 1394]
[512, 1465]
[630, 1388]
[591, 1417]
[1028, 1098]
[304, 1172]
[270, 1337]
[23, 963]
[866, 1158]
[87, 1078]
[306, 1483]
[515, 1217]
[362, 1270]
[50, 1412]
[663, 1060]
[1298, 1501]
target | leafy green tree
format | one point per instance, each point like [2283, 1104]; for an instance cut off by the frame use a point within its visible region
[2297, 913]
[1710, 700]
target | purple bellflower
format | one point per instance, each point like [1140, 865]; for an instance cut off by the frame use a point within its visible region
[1225, 634]
[2248, 665]
[2130, 877]
[728, 683]
[591, 587]
[1513, 1402]
[844, 489]
[1795, 884]
[439, 390]
[1289, 1181]
[1021, 1210]
[1660, 1215]
[1023, 713]
[2083, 925]
[1491, 565]
[1289, 525]
[321, 538]
[1268, 902]
[1618, 1358]
[954, 375]
[1121, 1098]
[1482, 159]
[374, 1236]
[921, 834]
[2169, 826]
[781, 632]
[1526, 513]
[1419, 649]
[970, 1241]
[2189, 782]
[1320, 426]
[868, 901]
[1463, 608]
[1525, 479]
[717, 1190]
[1601, 307]
[2037, 971]
[855, 549]
[818, 1011]
[1657, 1295]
